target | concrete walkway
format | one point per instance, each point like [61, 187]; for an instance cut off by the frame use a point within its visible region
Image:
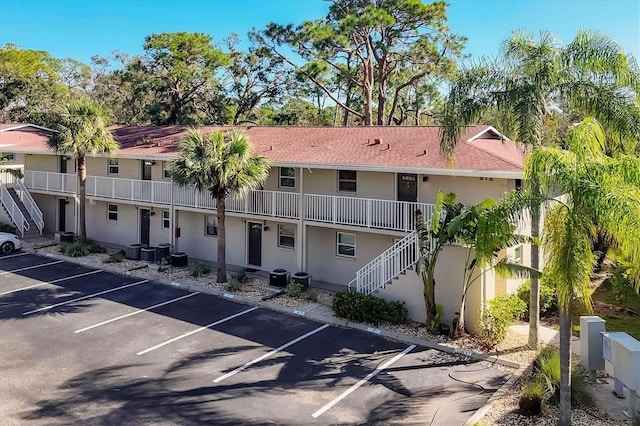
[548, 336]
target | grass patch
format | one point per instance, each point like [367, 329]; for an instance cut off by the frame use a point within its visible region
[115, 257]
[606, 306]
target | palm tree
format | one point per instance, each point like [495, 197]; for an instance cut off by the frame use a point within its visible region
[590, 76]
[598, 190]
[224, 166]
[431, 239]
[82, 129]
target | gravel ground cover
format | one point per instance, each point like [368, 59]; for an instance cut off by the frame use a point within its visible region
[514, 348]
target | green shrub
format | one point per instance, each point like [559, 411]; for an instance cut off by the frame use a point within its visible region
[77, 248]
[115, 257]
[548, 299]
[163, 265]
[310, 295]
[531, 398]
[237, 280]
[636, 419]
[293, 289]
[197, 269]
[94, 247]
[546, 368]
[498, 314]
[4, 227]
[619, 282]
[366, 308]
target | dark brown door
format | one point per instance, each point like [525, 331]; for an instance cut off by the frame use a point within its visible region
[408, 187]
[62, 214]
[145, 226]
[255, 244]
[146, 170]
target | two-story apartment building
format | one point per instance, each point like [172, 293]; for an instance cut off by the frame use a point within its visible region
[338, 203]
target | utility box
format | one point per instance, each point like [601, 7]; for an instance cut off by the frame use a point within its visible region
[591, 346]
[608, 339]
[626, 361]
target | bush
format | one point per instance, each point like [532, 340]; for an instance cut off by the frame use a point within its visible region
[548, 299]
[293, 289]
[8, 228]
[77, 248]
[498, 314]
[619, 282]
[531, 398]
[115, 257]
[366, 308]
[94, 247]
[546, 368]
[237, 280]
[197, 269]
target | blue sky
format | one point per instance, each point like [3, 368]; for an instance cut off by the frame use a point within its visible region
[82, 28]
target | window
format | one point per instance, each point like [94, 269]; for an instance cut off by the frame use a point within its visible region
[112, 212]
[287, 177]
[287, 236]
[346, 244]
[517, 254]
[166, 219]
[210, 225]
[166, 170]
[518, 184]
[114, 166]
[347, 180]
[8, 156]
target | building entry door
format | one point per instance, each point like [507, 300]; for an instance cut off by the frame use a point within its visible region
[145, 226]
[408, 187]
[255, 244]
[63, 164]
[146, 169]
[62, 214]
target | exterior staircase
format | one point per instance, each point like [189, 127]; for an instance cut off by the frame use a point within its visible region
[387, 266]
[21, 208]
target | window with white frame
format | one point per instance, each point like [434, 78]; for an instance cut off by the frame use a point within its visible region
[287, 236]
[166, 219]
[166, 170]
[210, 225]
[114, 166]
[112, 212]
[346, 244]
[517, 254]
[347, 180]
[287, 177]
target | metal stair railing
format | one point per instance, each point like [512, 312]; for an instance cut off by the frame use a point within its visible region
[30, 204]
[388, 265]
[13, 209]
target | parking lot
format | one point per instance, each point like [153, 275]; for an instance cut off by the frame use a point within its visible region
[85, 346]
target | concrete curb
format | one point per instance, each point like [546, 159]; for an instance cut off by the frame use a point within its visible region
[463, 352]
[482, 411]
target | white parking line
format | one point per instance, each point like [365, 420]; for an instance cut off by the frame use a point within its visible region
[213, 324]
[31, 267]
[88, 296]
[50, 282]
[14, 255]
[135, 313]
[362, 382]
[267, 355]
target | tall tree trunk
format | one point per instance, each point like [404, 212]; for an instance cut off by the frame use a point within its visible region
[565, 367]
[82, 195]
[222, 244]
[534, 297]
[367, 94]
[382, 93]
[428, 291]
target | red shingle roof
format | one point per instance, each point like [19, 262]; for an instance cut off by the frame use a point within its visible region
[393, 147]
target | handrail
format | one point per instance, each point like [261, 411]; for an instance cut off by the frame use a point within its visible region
[30, 204]
[14, 210]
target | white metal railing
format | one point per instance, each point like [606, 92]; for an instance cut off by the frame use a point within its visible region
[129, 189]
[367, 212]
[387, 266]
[49, 181]
[14, 210]
[30, 204]
[363, 212]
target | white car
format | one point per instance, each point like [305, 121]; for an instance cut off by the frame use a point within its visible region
[9, 243]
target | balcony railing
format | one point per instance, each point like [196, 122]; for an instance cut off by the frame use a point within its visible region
[362, 212]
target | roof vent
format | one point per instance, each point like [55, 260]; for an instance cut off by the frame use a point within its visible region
[377, 141]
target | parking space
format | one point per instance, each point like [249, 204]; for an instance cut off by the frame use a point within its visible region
[81, 345]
